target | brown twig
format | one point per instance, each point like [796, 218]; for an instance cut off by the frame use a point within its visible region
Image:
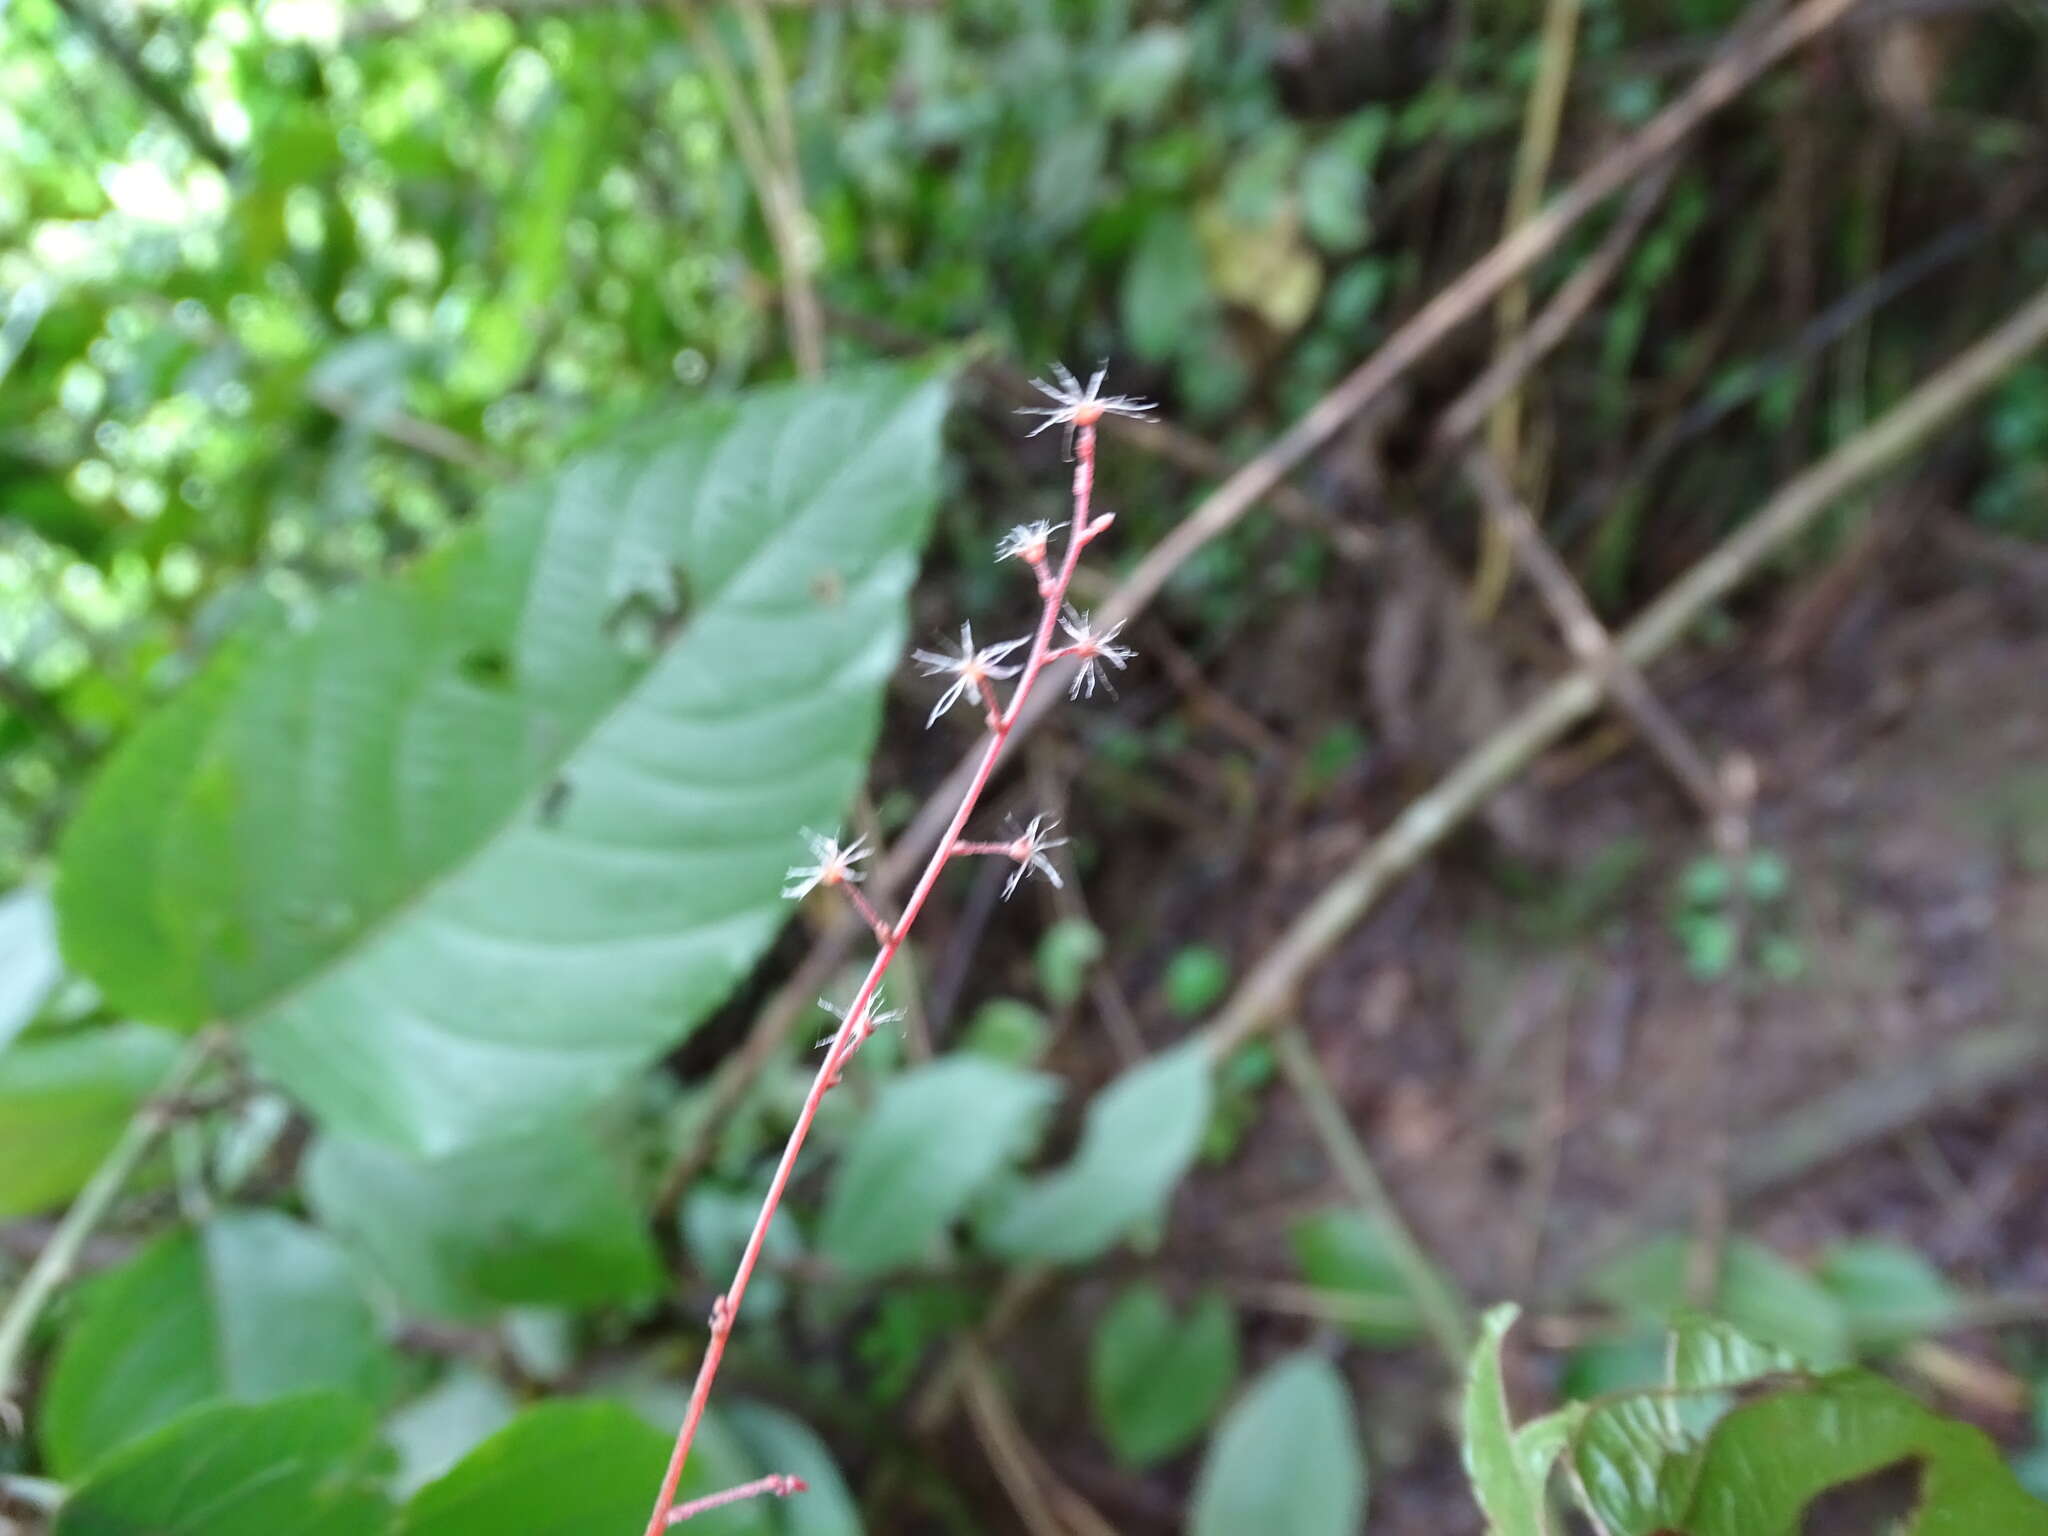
[1567, 306]
[1444, 1312]
[1264, 993]
[408, 431]
[1712, 1204]
[1045, 1504]
[151, 87]
[1588, 637]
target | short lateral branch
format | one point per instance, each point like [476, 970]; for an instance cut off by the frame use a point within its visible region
[780, 1484]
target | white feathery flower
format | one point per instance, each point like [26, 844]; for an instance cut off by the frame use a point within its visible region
[830, 865]
[1028, 542]
[873, 1018]
[1092, 648]
[1074, 406]
[969, 670]
[1029, 849]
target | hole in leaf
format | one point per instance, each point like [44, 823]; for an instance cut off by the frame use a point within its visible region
[1876, 1505]
[646, 619]
[555, 799]
[487, 666]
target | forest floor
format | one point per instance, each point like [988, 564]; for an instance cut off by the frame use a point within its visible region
[1538, 1071]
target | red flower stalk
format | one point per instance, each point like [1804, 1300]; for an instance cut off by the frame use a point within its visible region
[975, 671]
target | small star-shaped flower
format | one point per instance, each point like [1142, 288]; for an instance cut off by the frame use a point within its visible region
[1028, 542]
[1074, 406]
[873, 1018]
[1092, 648]
[1029, 849]
[830, 865]
[970, 670]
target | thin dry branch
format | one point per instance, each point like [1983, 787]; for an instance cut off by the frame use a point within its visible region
[161, 94]
[1588, 637]
[1565, 309]
[1444, 1312]
[1264, 993]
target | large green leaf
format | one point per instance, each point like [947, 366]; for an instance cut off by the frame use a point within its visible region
[1140, 1136]
[1154, 1378]
[1769, 1459]
[487, 837]
[1636, 1460]
[543, 1217]
[578, 1468]
[310, 1465]
[64, 1101]
[250, 1307]
[1285, 1461]
[936, 1135]
[29, 967]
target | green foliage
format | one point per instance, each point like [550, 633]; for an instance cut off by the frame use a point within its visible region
[462, 852]
[1686, 1459]
[1155, 1378]
[1166, 287]
[934, 1139]
[1196, 978]
[1007, 1029]
[1757, 1292]
[542, 1217]
[1704, 920]
[1241, 1080]
[442, 1425]
[29, 965]
[470, 805]
[562, 1468]
[311, 1465]
[249, 1307]
[2013, 497]
[1342, 1253]
[1888, 1293]
[1770, 1458]
[572, 1466]
[1066, 954]
[64, 1101]
[1141, 1135]
[1285, 1459]
[1635, 1461]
